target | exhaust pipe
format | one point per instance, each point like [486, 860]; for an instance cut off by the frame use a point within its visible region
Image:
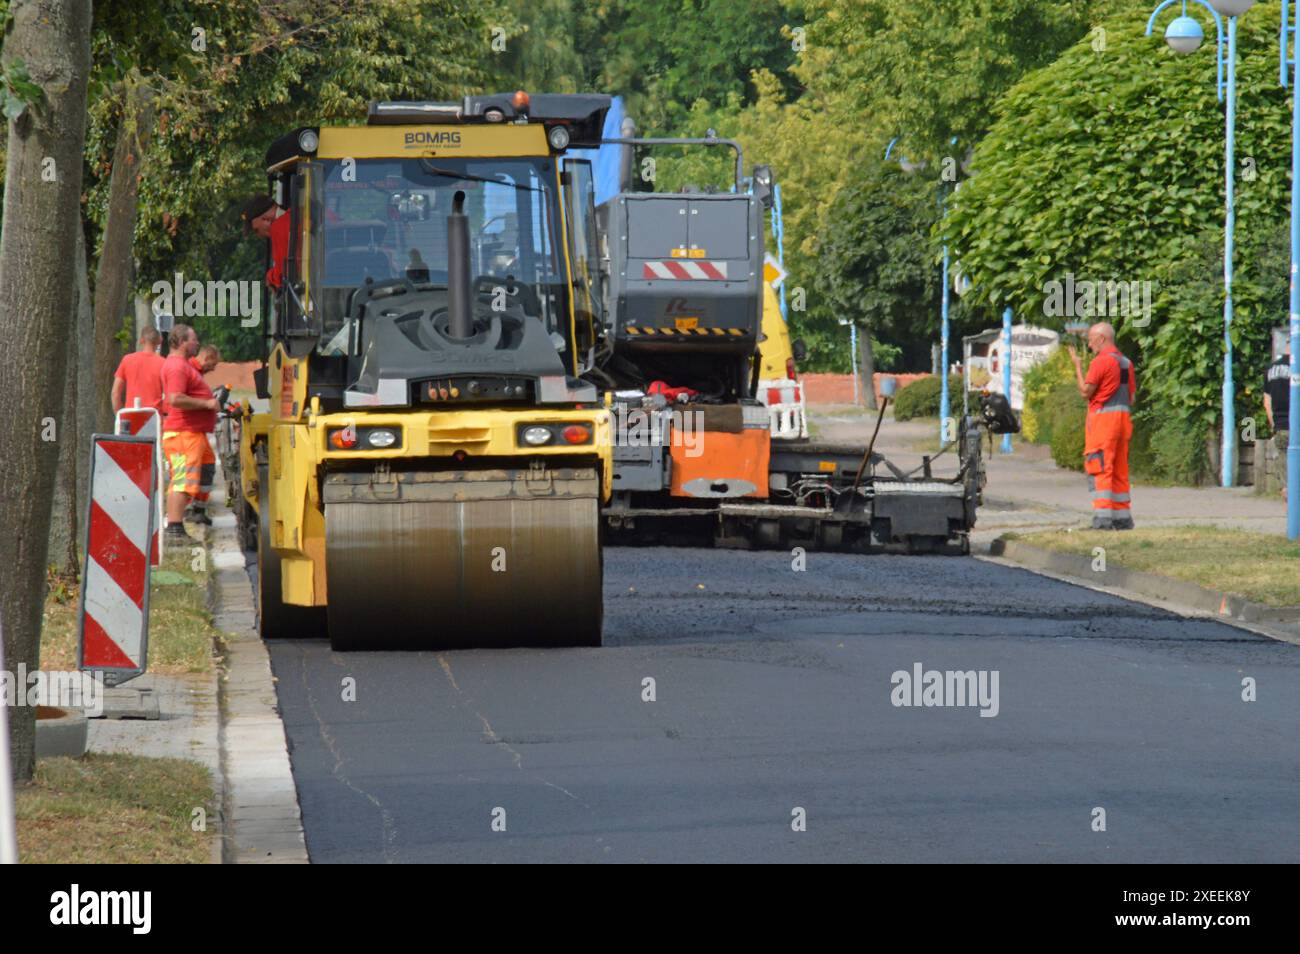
[460, 317]
[626, 130]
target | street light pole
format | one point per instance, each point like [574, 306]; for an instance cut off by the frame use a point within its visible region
[778, 228]
[1229, 452]
[1006, 370]
[853, 358]
[944, 406]
[1184, 35]
[1293, 436]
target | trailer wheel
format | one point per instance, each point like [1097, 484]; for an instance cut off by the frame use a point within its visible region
[275, 618]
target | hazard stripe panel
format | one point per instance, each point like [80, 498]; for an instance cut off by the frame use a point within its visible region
[115, 590]
[118, 463]
[109, 605]
[100, 652]
[685, 270]
[140, 422]
[653, 331]
[111, 547]
[143, 422]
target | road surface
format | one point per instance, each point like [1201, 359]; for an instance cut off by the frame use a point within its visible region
[772, 706]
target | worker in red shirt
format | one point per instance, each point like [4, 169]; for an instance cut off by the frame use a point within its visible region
[191, 416]
[1109, 389]
[263, 218]
[139, 374]
[205, 362]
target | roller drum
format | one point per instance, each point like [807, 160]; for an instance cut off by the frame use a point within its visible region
[463, 560]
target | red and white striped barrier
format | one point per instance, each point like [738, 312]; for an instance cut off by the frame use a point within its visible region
[685, 270]
[147, 422]
[787, 417]
[114, 626]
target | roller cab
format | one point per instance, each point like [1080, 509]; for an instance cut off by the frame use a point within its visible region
[431, 468]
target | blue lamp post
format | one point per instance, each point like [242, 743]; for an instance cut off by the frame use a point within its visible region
[945, 408]
[778, 231]
[1184, 35]
[1293, 439]
[1006, 370]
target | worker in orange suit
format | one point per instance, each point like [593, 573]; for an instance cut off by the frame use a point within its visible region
[1109, 389]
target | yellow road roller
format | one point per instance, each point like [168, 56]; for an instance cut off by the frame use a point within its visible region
[431, 467]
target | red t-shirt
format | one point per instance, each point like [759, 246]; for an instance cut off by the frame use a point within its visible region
[279, 250]
[181, 377]
[142, 372]
[1104, 372]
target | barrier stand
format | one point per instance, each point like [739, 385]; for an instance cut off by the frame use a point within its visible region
[113, 631]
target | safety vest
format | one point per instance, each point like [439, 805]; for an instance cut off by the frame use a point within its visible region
[1119, 401]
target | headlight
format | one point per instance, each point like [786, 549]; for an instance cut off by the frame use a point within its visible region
[559, 137]
[308, 140]
[537, 436]
[381, 438]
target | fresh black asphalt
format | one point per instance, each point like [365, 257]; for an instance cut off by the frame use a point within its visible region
[772, 703]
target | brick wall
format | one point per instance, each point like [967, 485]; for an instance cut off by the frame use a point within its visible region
[236, 375]
[838, 388]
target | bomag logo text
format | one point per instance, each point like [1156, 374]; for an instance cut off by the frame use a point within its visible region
[447, 138]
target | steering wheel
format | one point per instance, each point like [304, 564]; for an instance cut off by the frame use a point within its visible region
[485, 286]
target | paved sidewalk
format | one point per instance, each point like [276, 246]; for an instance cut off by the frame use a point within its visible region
[263, 822]
[1027, 491]
[187, 727]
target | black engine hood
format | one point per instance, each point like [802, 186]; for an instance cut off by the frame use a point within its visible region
[405, 339]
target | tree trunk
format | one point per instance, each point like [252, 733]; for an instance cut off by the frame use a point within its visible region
[37, 287]
[143, 315]
[85, 335]
[868, 366]
[113, 275]
[63, 513]
[73, 484]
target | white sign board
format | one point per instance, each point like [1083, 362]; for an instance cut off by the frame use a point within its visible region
[1029, 346]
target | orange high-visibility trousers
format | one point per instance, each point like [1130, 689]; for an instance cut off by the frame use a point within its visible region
[1105, 460]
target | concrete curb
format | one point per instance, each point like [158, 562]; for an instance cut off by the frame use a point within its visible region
[263, 820]
[1278, 622]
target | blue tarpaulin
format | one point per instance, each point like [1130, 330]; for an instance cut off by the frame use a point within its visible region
[604, 161]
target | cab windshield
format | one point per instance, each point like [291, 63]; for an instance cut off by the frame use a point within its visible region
[385, 219]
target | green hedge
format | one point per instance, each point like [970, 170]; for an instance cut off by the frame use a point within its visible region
[921, 398]
[1166, 447]
[1069, 417]
[1039, 382]
[1061, 415]
[1169, 448]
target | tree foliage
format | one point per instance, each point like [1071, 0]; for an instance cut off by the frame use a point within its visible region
[874, 270]
[229, 78]
[1108, 164]
[867, 72]
[932, 72]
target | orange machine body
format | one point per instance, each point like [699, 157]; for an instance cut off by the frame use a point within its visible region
[722, 464]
